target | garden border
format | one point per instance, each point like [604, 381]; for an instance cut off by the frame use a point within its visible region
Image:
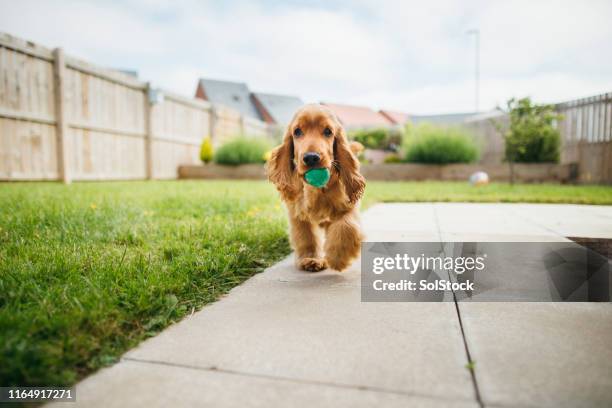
[527, 173]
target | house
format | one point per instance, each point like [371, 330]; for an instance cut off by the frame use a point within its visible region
[443, 119]
[270, 108]
[235, 95]
[278, 109]
[397, 118]
[358, 117]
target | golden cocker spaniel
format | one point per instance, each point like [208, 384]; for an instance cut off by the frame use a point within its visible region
[315, 139]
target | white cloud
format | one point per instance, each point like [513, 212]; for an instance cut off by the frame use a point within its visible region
[85, 28]
[403, 55]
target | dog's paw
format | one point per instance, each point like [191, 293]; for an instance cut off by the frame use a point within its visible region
[312, 264]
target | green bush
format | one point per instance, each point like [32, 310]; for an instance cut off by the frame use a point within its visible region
[531, 136]
[392, 159]
[206, 151]
[395, 138]
[242, 150]
[427, 143]
[371, 138]
[380, 138]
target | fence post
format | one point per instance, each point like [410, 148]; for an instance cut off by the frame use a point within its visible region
[61, 124]
[148, 129]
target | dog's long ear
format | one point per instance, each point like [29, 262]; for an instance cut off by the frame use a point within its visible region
[348, 168]
[281, 169]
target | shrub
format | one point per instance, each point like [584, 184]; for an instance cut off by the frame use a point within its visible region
[531, 136]
[206, 151]
[371, 138]
[380, 138]
[242, 150]
[427, 143]
[393, 158]
[395, 138]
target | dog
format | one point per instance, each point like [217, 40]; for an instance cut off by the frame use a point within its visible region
[316, 139]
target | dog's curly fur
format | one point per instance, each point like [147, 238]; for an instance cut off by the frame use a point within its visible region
[332, 210]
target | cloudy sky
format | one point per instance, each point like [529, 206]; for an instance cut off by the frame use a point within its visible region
[413, 56]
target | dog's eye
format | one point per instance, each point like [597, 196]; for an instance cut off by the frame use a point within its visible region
[327, 132]
[297, 132]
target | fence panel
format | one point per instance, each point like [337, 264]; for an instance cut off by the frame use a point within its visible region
[586, 131]
[487, 136]
[258, 128]
[178, 125]
[106, 124]
[178, 118]
[227, 125]
[105, 155]
[27, 121]
[57, 110]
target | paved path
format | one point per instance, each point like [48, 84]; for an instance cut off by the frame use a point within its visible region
[287, 338]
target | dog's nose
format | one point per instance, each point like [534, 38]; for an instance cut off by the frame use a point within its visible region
[311, 159]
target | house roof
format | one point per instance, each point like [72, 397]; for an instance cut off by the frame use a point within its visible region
[495, 113]
[280, 108]
[443, 119]
[398, 118]
[235, 95]
[358, 116]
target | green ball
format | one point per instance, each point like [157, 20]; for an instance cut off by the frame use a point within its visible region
[317, 177]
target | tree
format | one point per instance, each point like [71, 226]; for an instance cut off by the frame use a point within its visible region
[531, 136]
[206, 150]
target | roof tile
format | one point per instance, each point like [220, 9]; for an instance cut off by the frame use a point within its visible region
[358, 116]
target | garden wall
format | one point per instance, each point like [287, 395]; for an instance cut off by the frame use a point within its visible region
[526, 173]
[65, 119]
[213, 171]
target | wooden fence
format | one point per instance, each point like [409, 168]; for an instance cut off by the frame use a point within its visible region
[65, 119]
[586, 137]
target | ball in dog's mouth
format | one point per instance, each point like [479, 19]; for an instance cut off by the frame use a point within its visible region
[317, 177]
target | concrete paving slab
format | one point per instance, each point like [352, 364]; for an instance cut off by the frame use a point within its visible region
[136, 384]
[313, 327]
[488, 222]
[590, 221]
[541, 354]
[401, 223]
[535, 354]
[524, 272]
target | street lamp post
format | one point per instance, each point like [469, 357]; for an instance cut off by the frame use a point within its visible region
[476, 34]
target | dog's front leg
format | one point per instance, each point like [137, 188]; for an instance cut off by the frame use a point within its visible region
[342, 242]
[306, 242]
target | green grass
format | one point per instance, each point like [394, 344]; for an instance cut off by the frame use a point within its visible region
[492, 193]
[91, 269]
